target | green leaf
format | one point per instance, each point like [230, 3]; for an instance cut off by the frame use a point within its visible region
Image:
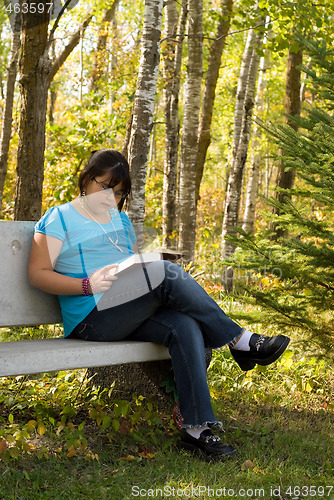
[116, 424]
[106, 422]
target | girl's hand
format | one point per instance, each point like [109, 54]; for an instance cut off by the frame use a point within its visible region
[101, 279]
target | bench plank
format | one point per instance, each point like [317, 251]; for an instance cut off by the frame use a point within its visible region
[20, 303]
[36, 356]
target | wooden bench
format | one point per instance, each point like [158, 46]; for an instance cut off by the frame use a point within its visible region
[23, 305]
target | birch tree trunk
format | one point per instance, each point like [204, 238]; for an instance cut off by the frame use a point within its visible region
[175, 27]
[285, 179]
[99, 63]
[187, 202]
[143, 111]
[216, 51]
[254, 170]
[6, 129]
[243, 114]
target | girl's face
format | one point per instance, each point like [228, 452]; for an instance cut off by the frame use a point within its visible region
[100, 196]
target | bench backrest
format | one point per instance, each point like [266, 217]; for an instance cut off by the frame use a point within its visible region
[20, 303]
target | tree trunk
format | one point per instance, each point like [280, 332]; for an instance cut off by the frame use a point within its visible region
[126, 142]
[216, 50]
[52, 90]
[143, 111]
[6, 130]
[99, 63]
[35, 69]
[285, 179]
[246, 87]
[36, 73]
[254, 171]
[172, 69]
[187, 202]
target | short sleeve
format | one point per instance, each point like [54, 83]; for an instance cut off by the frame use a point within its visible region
[52, 224]
[129, 227]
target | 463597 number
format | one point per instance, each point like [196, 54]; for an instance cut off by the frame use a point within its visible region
[309, 491]
[32, 8]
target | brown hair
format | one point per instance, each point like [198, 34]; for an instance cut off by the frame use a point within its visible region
[110, 162]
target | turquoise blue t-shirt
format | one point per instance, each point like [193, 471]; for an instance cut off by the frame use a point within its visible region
[85, 248]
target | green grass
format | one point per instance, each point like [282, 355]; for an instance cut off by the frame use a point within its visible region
[71, 441]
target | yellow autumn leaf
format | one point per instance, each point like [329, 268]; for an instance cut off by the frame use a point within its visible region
[214, 393]
[265, 281]
[129, 458]
[144, 454]
[31, 425]
[71, 452]
[41, 429]
[60, 428]
[308, 387]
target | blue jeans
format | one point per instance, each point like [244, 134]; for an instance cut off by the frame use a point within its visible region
[178, 314]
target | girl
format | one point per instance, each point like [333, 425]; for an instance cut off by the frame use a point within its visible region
[75, 252]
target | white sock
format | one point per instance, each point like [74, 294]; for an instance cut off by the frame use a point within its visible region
[243, 342]
[195, 432]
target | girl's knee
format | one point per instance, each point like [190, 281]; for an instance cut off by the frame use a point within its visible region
[172, 271]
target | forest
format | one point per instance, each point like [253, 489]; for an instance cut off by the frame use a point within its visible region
[225, 111]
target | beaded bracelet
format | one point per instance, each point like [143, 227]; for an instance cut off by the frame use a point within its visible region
[85, 283]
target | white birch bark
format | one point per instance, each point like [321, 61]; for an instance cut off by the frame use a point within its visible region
[143, 111]
[175, 27]
[254, 170]
[192, 100]
[241, 90]
[6, 129]
[240, 146]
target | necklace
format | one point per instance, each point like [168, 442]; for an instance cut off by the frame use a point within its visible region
[97, 222]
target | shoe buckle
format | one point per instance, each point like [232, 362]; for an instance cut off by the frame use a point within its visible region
[212, 439]
[259, 342]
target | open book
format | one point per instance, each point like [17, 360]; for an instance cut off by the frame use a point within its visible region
[145, 258]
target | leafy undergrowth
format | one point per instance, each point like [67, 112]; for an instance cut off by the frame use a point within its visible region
[296, 380]
[64, 415]
[62, 438]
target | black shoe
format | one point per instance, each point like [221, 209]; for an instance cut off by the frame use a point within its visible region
[207, 444]
[263, 351]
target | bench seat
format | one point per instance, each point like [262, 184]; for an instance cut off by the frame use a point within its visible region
[26, 357]
[23, 305]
